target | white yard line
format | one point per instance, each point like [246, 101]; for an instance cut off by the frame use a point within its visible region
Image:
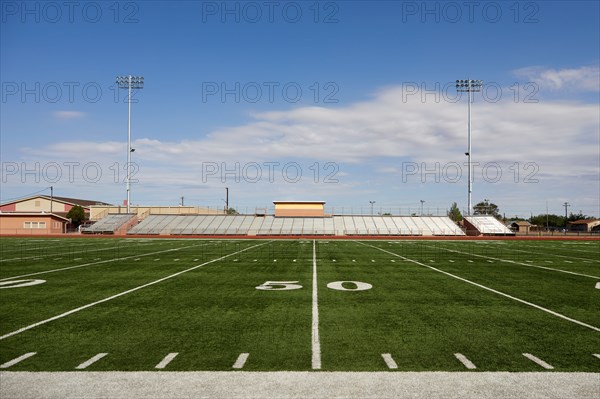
[489, 289]
[241, 361]
[168, 359]
[60, 316]
[389, 361]
[316, 343]
[538, 361]
[466, 362]
[54, 254]
[16, 360]
[518, 263]
[98, 263]
[91, 361]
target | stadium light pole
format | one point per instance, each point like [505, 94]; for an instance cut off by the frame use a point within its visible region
[129, 82]
[371, 202]
[422, 202]
[469, 86]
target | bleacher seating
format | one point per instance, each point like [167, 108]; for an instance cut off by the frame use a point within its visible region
[488, 225]
[270, 225]
[109, 224]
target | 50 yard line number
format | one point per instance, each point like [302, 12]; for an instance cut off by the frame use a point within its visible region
[293, 285]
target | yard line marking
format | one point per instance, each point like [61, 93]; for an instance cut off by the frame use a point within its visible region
[466, 362]
[519, 263]
[16, 360]
[163, 363]
[241, 360]
[488, 289]
[597, 355]
[316, 344]
[389, 361]
[97, 263]
[89, 305]
[538, 361]
[85, 250]
[91, 361]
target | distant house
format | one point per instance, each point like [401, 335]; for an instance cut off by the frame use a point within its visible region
[584, 225]
[522, 227]
[39, 214]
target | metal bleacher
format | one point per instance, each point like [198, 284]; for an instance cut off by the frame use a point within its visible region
[109, 224]
[256, 225]
[486, 224]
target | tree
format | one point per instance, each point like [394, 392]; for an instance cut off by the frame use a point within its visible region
[232, 211]
[486, 207]
[553, 221]
[77, 215]
[454, 213]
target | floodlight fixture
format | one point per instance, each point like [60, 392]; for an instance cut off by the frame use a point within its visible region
[469, 86]
[129, 82]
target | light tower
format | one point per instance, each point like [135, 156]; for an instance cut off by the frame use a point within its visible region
[129, 82]
[469, 86]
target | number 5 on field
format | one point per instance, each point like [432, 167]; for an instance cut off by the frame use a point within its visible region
[279, 286]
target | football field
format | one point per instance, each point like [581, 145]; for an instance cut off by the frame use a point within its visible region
[141, 304]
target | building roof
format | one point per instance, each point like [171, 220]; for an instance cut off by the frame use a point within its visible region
[585, 221]
[33, 214]
[522, 223]
[299, 202]
[66, 200]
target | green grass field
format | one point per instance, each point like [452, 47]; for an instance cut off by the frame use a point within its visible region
[138, 300]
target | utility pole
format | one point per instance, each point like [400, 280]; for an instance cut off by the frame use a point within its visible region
[182, 200]
[51, 197]
[226, 200]
[566, 205]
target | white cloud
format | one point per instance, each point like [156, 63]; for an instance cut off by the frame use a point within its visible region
[585, 78]
[370, 140]
[68, 115]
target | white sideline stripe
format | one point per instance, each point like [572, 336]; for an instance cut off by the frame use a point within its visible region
[16, 360]
[29, 327]
[241, 360]
[466, 362]
[518, 263]
[163, 363]
[389, 361]
[74, 252]
[597, 355]
[97, 263]
[489, 289]
[91, 361]
[316, 343]
[538, 361]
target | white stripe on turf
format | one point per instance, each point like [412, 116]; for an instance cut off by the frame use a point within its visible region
[538, 361]
[597, 355]
[517, 263]
[16, 360]
[89, 305]
[98, 263]
[487, 288]
[389, 361]
[163, 363]
[466, 362]
[316, 343]
[241, 360]
[91, 361]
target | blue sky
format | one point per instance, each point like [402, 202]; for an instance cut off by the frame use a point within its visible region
[347, 102]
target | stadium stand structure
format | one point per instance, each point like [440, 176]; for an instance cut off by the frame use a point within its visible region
[112, 224]
[269, 225]
[485, 225]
